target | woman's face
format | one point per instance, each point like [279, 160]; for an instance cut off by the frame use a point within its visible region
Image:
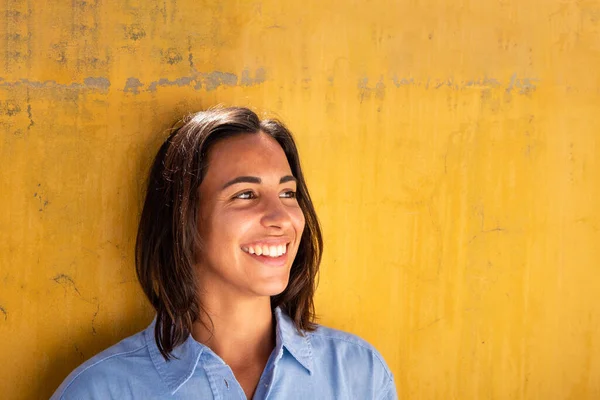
[250, 221]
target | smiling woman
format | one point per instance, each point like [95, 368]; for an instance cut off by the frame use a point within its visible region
[228, 249]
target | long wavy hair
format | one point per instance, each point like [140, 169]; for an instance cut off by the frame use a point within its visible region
[168, 241]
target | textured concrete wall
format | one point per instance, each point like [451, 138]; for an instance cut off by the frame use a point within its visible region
[452, 150]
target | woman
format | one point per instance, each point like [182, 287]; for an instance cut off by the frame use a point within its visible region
[227, 252]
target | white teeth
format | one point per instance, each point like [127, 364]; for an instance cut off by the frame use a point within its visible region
[271, 251]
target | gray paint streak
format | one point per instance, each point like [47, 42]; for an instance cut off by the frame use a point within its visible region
[210, 81]
[97, 83]
[524, 85]
[364, 91]
[94, 83]
[485, 82]
[215, 79]
[380, 90]
[403, 81]
[132, 85]
[183, 81]
[247, 80]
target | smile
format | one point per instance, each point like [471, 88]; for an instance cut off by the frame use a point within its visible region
[266, 250]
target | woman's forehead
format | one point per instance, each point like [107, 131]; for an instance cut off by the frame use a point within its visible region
[255, 154]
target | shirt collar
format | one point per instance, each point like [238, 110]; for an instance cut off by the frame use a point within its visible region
[296, 343]
[180, 369]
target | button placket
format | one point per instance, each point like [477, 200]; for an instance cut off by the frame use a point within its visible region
[232, 386]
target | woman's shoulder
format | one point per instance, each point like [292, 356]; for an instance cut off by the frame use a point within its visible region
[342, 340]
[351, 360]
[348, 347]
[94, 376]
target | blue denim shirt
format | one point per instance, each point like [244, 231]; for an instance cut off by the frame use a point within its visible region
[324, 364]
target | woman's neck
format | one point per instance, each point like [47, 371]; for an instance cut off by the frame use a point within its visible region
[240, 332]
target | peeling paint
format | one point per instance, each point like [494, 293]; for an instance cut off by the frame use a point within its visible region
[173, 56]
[448, 82]
[247, 80]
[403, 81]
[184, 81]
[3, 311]
[100, 83]
[58, 53]
[210, 81]
[364, 91]
[524, 85]
[29, 114]
[135, 32]
[11, 109]
[93, 83]
[191, 58]
[43, 200]
[215, 79]
[485, 83]
[380, 90]
[31, 122]
[132, 85]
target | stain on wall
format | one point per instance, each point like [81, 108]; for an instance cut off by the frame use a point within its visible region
[451, 150]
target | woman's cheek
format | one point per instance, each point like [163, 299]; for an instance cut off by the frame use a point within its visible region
[299, 220]
[239, 222]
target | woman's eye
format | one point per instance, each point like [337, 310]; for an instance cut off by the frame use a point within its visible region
[290, 194]
[246, 195]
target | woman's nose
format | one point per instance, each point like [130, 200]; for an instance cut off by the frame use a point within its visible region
[275, 214]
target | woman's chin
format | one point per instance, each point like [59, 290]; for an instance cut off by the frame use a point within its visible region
[272, 288]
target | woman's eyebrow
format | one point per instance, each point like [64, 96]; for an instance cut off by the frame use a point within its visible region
[288, 178]
[255, 179]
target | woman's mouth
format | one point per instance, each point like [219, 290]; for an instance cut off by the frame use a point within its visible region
[274, 254]
[267, 250]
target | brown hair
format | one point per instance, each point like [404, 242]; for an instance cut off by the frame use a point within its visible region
[167, 238]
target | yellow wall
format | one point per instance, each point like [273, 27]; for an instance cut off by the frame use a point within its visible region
[451, 148]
